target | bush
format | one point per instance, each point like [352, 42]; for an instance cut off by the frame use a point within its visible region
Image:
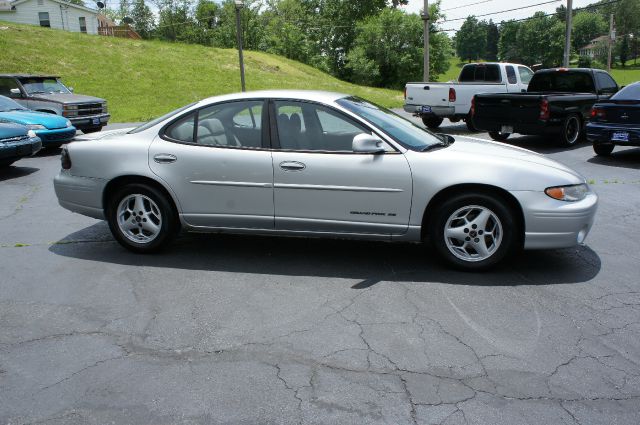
[584, 62]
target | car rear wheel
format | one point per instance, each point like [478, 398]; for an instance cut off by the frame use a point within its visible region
[571, 130]
[603, 149]
[474, 231]
[141, 218]
[432, 121]
[469, 121]
[499, 136]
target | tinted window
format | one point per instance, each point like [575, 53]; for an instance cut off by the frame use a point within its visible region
[467, 74]
[480, 73]
[182, 129]
[606, 83]
[562, 81]
[525, 74]
[631, 92]
[400, 129]
[6, 84]
[511, 75]
[308, 126]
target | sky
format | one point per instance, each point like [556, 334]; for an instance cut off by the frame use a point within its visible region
[489, 6]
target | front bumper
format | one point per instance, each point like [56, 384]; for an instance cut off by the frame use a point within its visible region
[82, 195]
[89, 121]
[440, 111]
[59, 135]
[12, 151]
[550, 223]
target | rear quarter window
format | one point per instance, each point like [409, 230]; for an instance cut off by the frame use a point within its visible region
[631, 92]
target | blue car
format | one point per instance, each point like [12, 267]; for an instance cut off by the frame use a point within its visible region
[52, 129]
[616, 121]
[16, 141]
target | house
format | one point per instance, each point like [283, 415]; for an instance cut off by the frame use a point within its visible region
[597, 48]
[57, 14]
[108, 28]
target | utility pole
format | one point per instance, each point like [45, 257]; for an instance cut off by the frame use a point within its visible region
[425, 19]
[239, 5]
[567, 34]
[612, 36]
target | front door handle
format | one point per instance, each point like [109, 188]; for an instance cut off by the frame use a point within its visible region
[292, 166]
[164, 158]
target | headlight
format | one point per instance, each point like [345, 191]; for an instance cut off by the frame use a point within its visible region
[31, 134]
[104, 107]
[35, 127]
[571, 193]
[68, 123]
[70, 107]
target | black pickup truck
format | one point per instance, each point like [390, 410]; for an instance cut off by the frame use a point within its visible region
[557, 101]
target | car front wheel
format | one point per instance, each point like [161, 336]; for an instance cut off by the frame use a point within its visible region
[432, 121]
[141, 218]
[499, 136]
[474, 231]
[603, 149]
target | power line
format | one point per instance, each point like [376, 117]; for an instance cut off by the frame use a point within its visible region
[465, 5]
[502, 11]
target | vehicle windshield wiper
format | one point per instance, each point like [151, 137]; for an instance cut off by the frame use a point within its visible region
[435, 145]
[36, 92]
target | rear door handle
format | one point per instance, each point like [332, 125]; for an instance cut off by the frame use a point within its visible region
[292, 166]
[164, 158]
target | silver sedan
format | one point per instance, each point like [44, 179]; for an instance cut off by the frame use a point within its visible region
[304, 163]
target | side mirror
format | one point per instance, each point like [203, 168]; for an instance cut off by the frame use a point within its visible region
[367, 143]
[70, 89]
[15, 93]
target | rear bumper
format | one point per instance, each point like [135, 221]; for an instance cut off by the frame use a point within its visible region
[440, 111]
[601, 134]
[60, 135]
[82, 195]
[13, 151]
[555, 224]
[538, 128]
[90, 121]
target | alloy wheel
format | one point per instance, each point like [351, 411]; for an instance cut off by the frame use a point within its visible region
[139, 218]
[473, 233]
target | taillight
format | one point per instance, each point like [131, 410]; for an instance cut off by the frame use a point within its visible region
[544, 109]
[452, 94]
[473, 106]
[65, 159]
[597, 113]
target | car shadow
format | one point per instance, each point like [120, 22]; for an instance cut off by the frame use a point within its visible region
[368, 262]
[627, 158]
[44, 152]
[15, 171]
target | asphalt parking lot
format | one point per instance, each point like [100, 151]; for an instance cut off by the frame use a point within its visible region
[261, 330]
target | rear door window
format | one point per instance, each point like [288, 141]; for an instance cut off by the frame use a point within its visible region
[511, 75]
[606, 83]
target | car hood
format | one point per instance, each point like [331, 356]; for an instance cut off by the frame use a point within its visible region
[26, 117]
[481, 147]
[66, 98]
[10, 130]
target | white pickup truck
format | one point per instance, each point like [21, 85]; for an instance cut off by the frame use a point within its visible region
[435, 101]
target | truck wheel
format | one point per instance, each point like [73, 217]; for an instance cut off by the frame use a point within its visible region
[432, 121]
[92, 129]
[499, 136]
[141, 218]
[469, 121]
[474, 231]
[571, 130]
[603, 149]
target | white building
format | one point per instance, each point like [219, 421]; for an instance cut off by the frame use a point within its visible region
[57, 14]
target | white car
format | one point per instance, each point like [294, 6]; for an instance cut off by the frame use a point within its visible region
[307, 163]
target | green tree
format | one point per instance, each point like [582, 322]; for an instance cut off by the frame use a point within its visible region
[471, 39]
[508, 45]
[586, 27]
[493, 38]
[541, 40]
[623, 50]
[143, 20]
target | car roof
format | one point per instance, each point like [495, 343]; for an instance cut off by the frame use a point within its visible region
[311, 95]
[29, 76]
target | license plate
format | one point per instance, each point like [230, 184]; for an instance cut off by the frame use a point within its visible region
[95, 121]
[620, 136]
[426, 109]
[506, 129]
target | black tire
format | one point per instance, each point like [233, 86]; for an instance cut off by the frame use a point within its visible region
[432, 121]
[603, 149]
[6, 164]
[469, 121]
[571, 130]
[499, 136]
[510, 236]
[169, 224]
[52, 146]
[88, 130]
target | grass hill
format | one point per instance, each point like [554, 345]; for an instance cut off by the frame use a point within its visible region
[144, 79]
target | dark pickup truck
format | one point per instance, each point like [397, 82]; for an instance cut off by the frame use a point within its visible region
[557, 101]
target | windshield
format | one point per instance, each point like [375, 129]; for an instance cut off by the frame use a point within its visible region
[400, 129]
[43, 85]
[7, 104]
[151, 123]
